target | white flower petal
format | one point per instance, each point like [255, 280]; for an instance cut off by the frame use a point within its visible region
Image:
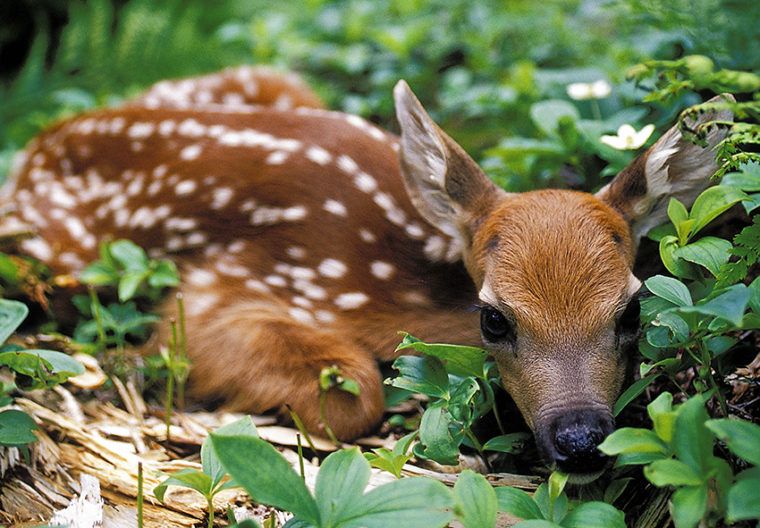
[579, 91]
[601, 89]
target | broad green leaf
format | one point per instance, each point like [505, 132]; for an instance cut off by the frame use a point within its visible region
[711, 203]
[412, 502]
[729, 305]
[210, 463]
[547, 114]
[99, 274]
[164, 275]
[689, 505]
[742, 180]
[476, 502]
[436, 437]
[16, 428]
[594, 515]
[508, 443]
[663, 416]
[129, 282]
[58, 366]
[459, 360]
[632, 440]
[425, 375]
[710, 252]
[340, 482]
[679, 329]
[537, 523]
[677, 212]
[518, 503]
[265, 475]
[692, 442]
[754, 295]
[402, 444]
[670, 289]
[557, 483]
[632, 392]
[741, 436]
[742, 499]
[670, 472]
[12, 314]
[131, 256]
[187, 478]
[552, 510]
[669, 245]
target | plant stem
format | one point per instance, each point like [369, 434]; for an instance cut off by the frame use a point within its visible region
[210, 500]
[300, 457]
[139, 495]
[95, 309]
[182, 350]
[323, 417]
[170, 379]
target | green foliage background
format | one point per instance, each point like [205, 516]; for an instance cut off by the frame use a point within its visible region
[477, 65]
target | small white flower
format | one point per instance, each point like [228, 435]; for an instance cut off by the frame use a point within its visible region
[627, 138]
[583, 91]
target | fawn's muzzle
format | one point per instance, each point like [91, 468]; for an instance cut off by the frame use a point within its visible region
[569, 441]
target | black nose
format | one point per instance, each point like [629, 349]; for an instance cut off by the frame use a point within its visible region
[573, 439]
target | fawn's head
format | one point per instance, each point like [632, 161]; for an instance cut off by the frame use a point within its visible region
[559, 311]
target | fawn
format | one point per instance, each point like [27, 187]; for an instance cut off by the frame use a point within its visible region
[307, 238]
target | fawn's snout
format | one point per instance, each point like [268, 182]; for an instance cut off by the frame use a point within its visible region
[568, 440]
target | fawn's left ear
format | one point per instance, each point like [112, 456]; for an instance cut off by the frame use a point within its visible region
[673, 167]
[445, 185]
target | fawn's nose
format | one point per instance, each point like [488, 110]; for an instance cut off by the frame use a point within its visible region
[572, 439]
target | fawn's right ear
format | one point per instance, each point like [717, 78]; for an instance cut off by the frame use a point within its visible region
[445, 185]
[673, 167]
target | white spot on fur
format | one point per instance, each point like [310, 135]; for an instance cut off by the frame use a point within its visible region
[256, 285]
[318, 155]
[365, 183]
[231, 270]
[336, 208]
[201, 277]
[332, 268]
[415, 231]
[301, 315]
[180, 224]
[185, 187]
[312, 291]
[382, 270]
[37, 248]
[140, 130]
[435, 248]
[346, 164]
[367, 236]
[199, 304]
[276, 281]
[351, 301]
[296, 252]
[191, 152]
[277, 157]
[323, 316]
[221, 197]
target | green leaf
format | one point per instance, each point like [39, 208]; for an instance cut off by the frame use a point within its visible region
[678, 328]
[188, 478]
[12, 314]
[670, 472]
[677, 212]
[210, 463]
[741, 437]
[436, 437]
[669, 245]
[129, 255]
[557, 483]
[414, 502]
[594, 515]
[340, 482]
[16, 428]
[459, 360]
[670, 289]
[537, 523]
[129, 282]
[553, 510]
[711, 203]
[710, 252]
[692, 442]
[754, 295]
[689, 506]
[547, 114]
[270, 480]
[425, 375]
[663, 416]
[164, 275]
[729, 305]
[44, 365]
[517, 502]
[99, 274]
[632, 392]
[632, 440]
[508, 443]
[476, 502]
[742, 499]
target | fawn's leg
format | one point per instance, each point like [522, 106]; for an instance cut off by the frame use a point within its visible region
[248, 349]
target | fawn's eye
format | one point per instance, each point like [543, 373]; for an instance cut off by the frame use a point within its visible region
[630, 320]
[494, 326]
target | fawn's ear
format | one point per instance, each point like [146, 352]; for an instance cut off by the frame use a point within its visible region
[674, 167]
[445, 185]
